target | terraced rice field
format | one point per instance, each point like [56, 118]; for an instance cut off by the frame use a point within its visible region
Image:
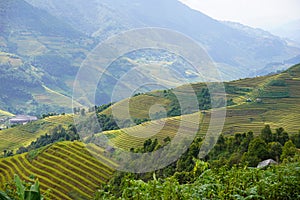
[159, 129]
[68, 169]
[23, 135]
[279, 107]
[138, 106]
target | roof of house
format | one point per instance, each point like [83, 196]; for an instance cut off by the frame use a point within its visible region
[22, 118]
[266, 163]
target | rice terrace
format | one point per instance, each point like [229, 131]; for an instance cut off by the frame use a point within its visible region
[119, 99]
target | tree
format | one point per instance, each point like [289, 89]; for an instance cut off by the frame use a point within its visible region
[246, 141]
[258, 148]
[257, 152]
[296, 139]
[266, 134]
[275, 150]
[82, 112]
[288, 150]
[281, 136]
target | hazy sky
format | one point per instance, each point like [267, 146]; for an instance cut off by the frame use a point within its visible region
[265, 14]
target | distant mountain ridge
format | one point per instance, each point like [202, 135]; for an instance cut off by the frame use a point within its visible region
[48, 40]
[226, 44]
[18, 15]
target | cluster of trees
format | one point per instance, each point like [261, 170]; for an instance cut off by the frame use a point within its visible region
[245, 148]
[55, 135]
[8, 153]
[231, 154]
[107, 122]
[51, 114]
[174, 109]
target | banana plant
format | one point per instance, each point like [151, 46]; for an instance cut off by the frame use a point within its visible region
[24, 191]
[4, 196]
[31, 192]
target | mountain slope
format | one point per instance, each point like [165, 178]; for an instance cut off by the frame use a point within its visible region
[77, 176]
[37, 51]
[224, 43]
[257, 101]
[18, 16]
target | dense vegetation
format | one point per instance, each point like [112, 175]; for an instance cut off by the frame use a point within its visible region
[22, 190]
[276, 182]
[57, 134]
[225, 173]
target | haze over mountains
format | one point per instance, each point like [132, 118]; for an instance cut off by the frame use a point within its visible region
[48, 40]
[289, 30]
[240, 48]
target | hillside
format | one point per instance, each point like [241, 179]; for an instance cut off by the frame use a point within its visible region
[274, 101]
[278, 106]
[39, 57]
[47, 41]
[83, 171]
[227, 45]
[23, 135]
[77, 175]
[18, 16]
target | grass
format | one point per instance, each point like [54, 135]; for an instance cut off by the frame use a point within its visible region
[67, 168]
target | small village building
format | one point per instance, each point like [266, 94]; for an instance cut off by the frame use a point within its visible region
[266, 163]
[249, 100]
[22, 119]
[258, 100]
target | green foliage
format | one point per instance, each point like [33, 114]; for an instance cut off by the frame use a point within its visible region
[4, 196]
[174, 109]
[21, 190]
[288, 150]
[274, 183]
[140, 121]
[277, 83]
[8, 153]
[55, 135]
[232, 89]
[275, 150]
[224, 175]
[101, 108]
[257, 151]
[296, 139]
[107, 122]
[266, 134]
